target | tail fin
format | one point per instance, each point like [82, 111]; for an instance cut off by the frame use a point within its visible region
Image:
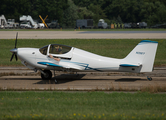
[143, 54]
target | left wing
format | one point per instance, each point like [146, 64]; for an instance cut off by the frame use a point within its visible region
[49, 64]
[66, 65]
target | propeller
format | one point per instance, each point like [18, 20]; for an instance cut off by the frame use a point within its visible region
[14, 51]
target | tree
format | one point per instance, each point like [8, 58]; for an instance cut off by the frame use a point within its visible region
[53, 8]
[128, 10]
[84, 13]
[70, 14]
[98, 13]
[153, 12]
[119, 20]
[82, 3]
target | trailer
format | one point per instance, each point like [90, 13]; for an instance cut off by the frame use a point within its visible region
[84, 23]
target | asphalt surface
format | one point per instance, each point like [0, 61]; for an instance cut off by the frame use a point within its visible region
[125, 32]
[23, 78]
[83, 34]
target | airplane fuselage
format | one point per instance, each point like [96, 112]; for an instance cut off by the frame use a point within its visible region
[79, 60]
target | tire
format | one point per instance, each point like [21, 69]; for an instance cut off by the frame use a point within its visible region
[48, 75]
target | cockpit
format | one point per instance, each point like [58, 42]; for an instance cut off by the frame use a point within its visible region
[57, 50]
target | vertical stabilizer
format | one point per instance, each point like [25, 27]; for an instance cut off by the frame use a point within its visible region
[143, 54]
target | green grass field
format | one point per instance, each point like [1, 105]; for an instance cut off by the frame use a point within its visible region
[78, 105]
[115, 48]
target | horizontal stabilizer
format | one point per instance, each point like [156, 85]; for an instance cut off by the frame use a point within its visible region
[128, 65]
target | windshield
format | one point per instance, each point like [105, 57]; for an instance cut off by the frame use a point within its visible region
[59, 49]
[43, 50]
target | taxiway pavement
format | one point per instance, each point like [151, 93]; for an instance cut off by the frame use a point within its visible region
[21, 78]
[83, 34]
[81, 82]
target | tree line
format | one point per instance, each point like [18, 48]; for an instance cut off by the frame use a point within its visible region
[68, 11]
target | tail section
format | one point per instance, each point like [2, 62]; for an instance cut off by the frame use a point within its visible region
[143, 55]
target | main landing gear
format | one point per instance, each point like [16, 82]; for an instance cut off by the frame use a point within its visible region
[47, 75]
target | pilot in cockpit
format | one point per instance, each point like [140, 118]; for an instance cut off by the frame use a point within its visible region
[58, 51]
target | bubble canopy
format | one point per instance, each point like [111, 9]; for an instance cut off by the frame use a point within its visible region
[55, 49]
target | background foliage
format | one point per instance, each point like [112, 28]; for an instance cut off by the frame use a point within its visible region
[67, 11]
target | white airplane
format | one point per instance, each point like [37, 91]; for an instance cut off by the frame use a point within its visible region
[65, 58]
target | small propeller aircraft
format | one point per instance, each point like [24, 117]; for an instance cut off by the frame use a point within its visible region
[59, 57]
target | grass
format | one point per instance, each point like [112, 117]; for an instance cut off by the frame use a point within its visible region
[78, 105]
[117, 48]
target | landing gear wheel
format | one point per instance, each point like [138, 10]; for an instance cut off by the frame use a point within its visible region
[149, 78]
[47, 75]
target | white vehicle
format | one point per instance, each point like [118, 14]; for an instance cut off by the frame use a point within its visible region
[102, 24]
[65, 58]
[40, 25]
[11, 24]
[25, 25]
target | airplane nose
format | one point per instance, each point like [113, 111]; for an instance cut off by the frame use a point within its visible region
[13, 50]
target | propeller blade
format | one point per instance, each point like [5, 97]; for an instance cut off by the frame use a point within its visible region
[12, 56]
[16, 39]
[14, 51]
[16, 57]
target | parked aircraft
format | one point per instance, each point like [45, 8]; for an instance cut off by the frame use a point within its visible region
[59, 57]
